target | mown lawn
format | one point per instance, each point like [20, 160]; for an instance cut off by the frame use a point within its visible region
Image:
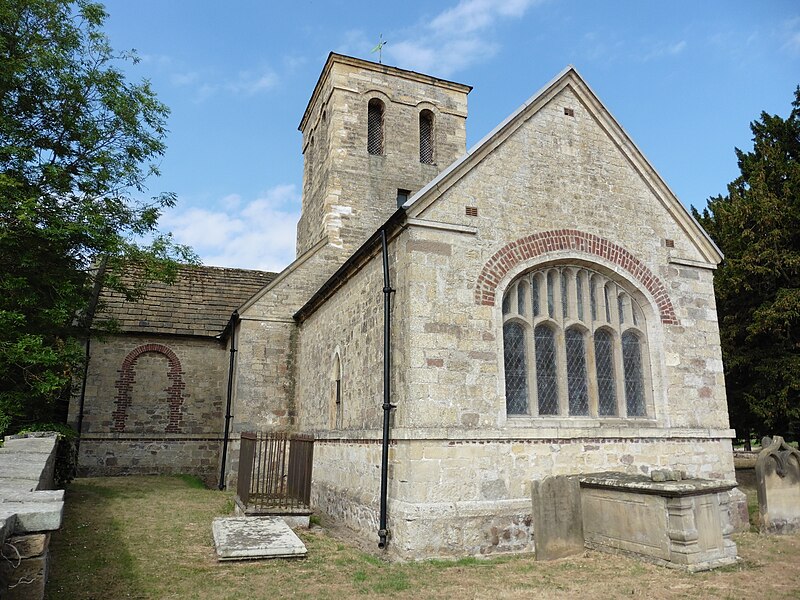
[150, 537]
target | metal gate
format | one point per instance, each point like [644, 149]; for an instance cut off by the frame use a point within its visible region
[275, 472]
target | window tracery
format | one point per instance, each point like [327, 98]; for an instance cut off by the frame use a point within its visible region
[580, 353]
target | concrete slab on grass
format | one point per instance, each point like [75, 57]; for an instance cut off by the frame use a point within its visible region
[248, 538]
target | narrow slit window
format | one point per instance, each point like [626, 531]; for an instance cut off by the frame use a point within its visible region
[426, 137]
[375, 127]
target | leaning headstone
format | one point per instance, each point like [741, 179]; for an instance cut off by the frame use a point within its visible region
[557, 520]
[778, 484]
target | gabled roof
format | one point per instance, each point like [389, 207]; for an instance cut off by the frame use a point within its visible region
[569, 77]
[199, 303]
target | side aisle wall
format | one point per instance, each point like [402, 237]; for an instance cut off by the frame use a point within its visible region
[154, 405]
[266, 342]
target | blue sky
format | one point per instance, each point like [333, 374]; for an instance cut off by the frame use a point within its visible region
[684, 78]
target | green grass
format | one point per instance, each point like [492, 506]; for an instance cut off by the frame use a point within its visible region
[150, 537]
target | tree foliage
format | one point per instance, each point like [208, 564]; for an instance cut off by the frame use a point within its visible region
[77, 142]
[757, 227]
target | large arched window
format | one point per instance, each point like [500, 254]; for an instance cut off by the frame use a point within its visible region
[574, 344]
[426, 137]
[375, 127]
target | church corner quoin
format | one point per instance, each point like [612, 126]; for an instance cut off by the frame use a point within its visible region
[552, 313]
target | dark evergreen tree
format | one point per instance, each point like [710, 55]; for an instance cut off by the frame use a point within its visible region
[757, 227]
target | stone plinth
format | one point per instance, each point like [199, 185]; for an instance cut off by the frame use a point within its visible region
[678, 524]
[778, 485]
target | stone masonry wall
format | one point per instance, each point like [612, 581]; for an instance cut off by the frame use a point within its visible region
[461, 468]
[348, 193]
[525, 187]
[471, 497]
[153, 405]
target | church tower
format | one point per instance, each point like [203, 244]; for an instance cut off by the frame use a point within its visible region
[372, 136]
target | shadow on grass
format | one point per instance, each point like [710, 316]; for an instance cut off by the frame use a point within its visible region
[88, 555]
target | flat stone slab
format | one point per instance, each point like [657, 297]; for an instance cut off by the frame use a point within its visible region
[644, 485]
[249, 538]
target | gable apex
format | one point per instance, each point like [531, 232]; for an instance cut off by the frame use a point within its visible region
[569, 78]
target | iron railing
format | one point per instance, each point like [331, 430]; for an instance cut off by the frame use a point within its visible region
[275, 472]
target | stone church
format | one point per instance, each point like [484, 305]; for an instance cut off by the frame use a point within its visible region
[551, 309]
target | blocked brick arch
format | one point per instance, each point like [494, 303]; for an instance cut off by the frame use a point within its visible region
[538, 244]
[127, 377]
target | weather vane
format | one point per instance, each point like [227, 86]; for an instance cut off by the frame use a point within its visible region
[379, 49]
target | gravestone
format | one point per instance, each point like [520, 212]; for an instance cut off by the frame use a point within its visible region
[778, 485]
[557, 520]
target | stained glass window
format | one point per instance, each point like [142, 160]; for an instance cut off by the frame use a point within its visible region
[515, 367]
[550, 341]
[604, 366]
[546, 370]
[634, 376]
[577, 386]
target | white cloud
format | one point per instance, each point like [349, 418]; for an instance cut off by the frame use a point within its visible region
[455, 38]
[251, 82]
[258, 234]
[473, 15]
[664, 50]
[791, 35]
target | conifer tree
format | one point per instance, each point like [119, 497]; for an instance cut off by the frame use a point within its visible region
[757, 227]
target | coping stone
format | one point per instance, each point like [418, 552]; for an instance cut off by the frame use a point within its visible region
[248, 538]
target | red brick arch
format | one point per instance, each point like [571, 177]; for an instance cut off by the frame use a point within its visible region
[538, 244]
[127, 377]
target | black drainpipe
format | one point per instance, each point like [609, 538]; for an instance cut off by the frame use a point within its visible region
[387, 406]
[228, 416]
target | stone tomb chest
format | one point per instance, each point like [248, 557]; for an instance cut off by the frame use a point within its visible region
[680, 524]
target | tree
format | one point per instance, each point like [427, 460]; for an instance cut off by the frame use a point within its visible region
[757, 227]
[77, 141]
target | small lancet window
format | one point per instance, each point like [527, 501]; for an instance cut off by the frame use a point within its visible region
[337, 390]
[375, 127]
[426, 137]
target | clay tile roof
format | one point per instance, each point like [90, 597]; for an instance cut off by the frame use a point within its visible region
[200, 302]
